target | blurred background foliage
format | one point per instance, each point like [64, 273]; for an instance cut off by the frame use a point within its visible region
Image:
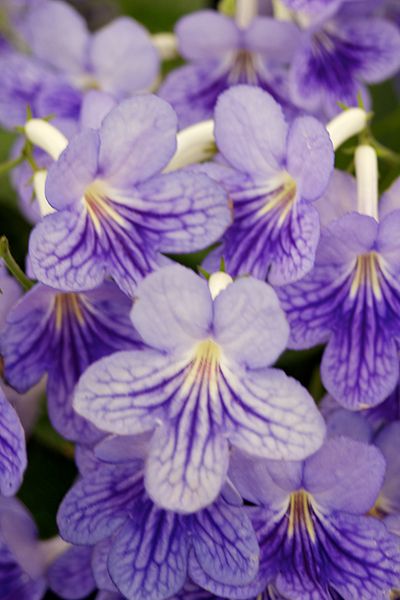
[51, 469]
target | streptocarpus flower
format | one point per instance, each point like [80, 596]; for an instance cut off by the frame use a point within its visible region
[13, 459]
[351, 299]
[274, 171]
[339, 53]
[119, 58]
[148, 551]
[223, 53]
[315, 539]
[61, 334]
[203, 382]
[115, 212]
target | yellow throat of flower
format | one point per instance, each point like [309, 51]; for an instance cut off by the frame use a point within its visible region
[300, 513]
[366, 273]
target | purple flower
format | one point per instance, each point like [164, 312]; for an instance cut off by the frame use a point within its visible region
[274, 172]
[115, 212]
[314, 538]
[341, 51]
[22, 564]
[147, 551]
[13, 459]
[61, 334]
[70, 575]
[351, 299]
[203, 381]
[223, 54]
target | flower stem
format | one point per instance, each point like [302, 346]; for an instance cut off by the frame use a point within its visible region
[13, 266]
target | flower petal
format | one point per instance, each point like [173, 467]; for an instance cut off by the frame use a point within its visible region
[65, 252]
[339, 198]
[270, 415]
[249, 324]
[108, 51]
[206, 34]
[138, 138]
[338, 484]
[242, 116]
[95, 106]
[182, 212]
[276, 40]
[70, 576]
[310, 156]
[149, 555]
[225, 544]
[188, 460]
[387, 441]
[172, 309]
[99, 504]
[13, 460]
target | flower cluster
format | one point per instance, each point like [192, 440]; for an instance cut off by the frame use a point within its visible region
[185, 233]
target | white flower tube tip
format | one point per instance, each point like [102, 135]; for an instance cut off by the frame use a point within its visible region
[366, 162]
[218, 282]
[348, 123]
[45, 136]
[245, 12]
[194, 144]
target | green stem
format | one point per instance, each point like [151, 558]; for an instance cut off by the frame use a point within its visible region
[10, 164]
[13, 266]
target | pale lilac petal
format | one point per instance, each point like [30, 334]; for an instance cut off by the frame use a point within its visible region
[65, 252]
[188, 460]
[243, 116]
[352, 425]
[13, 460]
[340, 484]
[310, 156]
[138, 138]
[339, 198]
[173, 309]
[125, 393]
[225, 544]
[183, 212]
[99, 504]
[109, 49]
[277, 40]
[270, 415]
[264, 482]
[76, 168]
[95, 106]
[10, 292]
[379, 47]
[58, 35]
[390, 200]
[387, 441]
[388, 245]
[249, 323]
[149, 556]
[70, 576]
[206, 34]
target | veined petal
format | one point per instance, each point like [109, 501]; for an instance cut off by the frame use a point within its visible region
[149, 556]
[99, 504]
[13, 460]
[65, 252]
[270, 415]
[109, 48]
[173, 309]
[126, 392]
[242, 116]
[101, 552]
[188, 458]
[249, 323]
[182, 212]
[224, 543]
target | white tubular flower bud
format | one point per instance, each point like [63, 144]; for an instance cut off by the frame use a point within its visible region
[45, 136]
[194, 144]
[344, 126]
[53, 548]
[218, 282]
[39, 185]
[367, 181]
[166, 45]
[245, 12]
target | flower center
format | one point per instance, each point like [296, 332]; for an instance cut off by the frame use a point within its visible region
[243, 69]
[300, 514]
[284, 198]
[205, 363]
[98, 205]
[366, 273]
[68, 304]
